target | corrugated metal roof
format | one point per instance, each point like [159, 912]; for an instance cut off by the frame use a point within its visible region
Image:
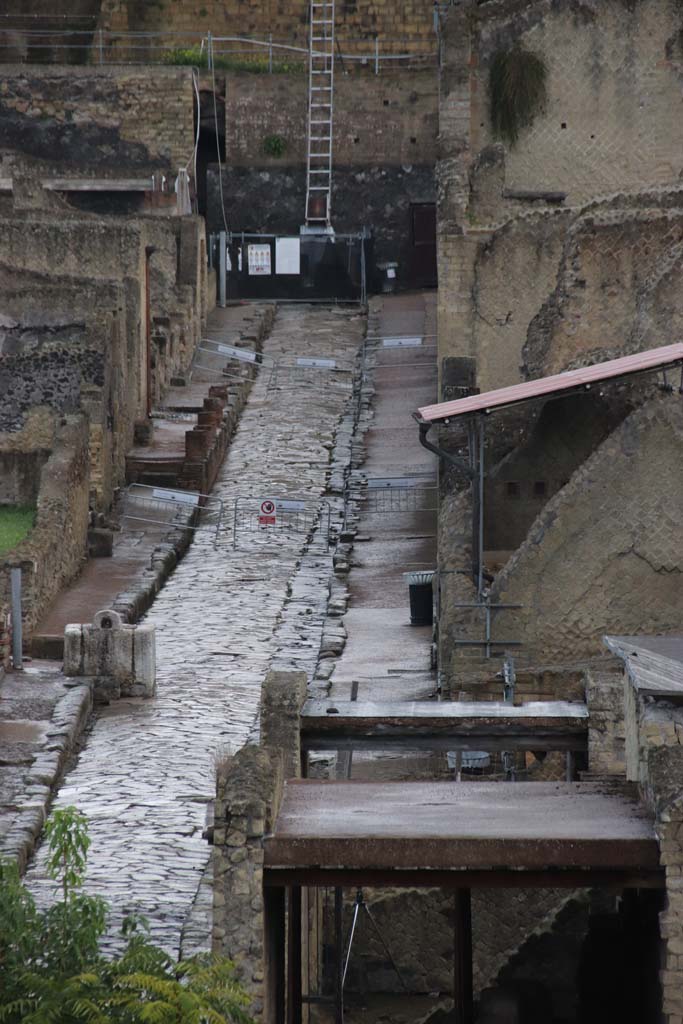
[651, 360]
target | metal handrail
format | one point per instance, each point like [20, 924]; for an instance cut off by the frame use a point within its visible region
[101, 40]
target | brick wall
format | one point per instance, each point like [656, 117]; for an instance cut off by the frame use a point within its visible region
[76, 290]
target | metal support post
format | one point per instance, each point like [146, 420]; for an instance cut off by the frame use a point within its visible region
[570, 766]
[339, 959]
[222, 268]
[376, 55]
[462, 958]
[17, 638]
[294, 950]
[270, 53]
[274, 955]
[480, 542]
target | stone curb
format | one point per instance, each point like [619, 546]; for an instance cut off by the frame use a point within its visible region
[132, 603]
[69, 718]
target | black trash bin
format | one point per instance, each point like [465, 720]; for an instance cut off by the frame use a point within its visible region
[421, 601]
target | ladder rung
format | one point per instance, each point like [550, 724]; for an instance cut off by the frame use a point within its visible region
[320, 138]
[319, 170]
[321, 122]
[318, 188]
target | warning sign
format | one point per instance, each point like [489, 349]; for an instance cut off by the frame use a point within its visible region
[268, 512]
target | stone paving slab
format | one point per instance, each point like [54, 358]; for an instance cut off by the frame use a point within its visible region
[133, 558]
[387, 657]
[146, 776]
[42, 715]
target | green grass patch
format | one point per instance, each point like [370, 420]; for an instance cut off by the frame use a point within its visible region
[193, 57]
[16, 522]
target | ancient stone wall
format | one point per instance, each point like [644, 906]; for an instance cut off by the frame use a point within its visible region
[105, 122]
[401, 28]
[54, 551]
[384, 120]
[249, 790]
[74, 303]
[604, 556]
[550, 237]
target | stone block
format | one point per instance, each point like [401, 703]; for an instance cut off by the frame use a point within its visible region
[100, 543]
[144, 659]
[73, 650]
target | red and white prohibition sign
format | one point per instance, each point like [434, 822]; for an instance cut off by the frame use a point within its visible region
[267, 513]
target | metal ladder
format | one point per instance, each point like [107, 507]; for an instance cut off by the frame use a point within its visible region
[320, 97]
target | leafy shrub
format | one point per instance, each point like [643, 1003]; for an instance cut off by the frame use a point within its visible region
[51, 968]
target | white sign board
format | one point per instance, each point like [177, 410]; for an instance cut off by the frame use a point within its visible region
[287, 256]
[259, 260]
[319, 364]
[181, 497]
[290, 505]
[245, 354]
[407, 342]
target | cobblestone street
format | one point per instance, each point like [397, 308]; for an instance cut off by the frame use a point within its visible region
[145, 778]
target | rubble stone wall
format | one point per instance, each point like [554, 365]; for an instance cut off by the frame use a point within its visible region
[655, 760]
[102, 121]
[74, 329]
[249, 790]
[54, 551]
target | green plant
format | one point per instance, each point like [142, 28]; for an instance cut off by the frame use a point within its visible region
[517, 91]
[51, 969]
[194, 56]
[16, 521]
[274, 145]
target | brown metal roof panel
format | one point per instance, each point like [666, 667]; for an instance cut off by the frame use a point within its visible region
[639, 362]
[445, 825]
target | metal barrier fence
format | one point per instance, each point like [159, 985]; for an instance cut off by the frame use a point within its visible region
[387, 495]
[248, 360]
[78, 40]
[384, 496]
[164, 507]
[288, 515]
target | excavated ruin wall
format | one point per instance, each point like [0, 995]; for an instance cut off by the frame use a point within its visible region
[54, 551]
[604, 556]
[409, 25]
[74, 303]
[108, 122]
[608, 129]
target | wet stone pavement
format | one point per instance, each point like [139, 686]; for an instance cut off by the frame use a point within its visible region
[145, 778]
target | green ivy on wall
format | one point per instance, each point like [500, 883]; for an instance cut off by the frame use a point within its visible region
[517, 91]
